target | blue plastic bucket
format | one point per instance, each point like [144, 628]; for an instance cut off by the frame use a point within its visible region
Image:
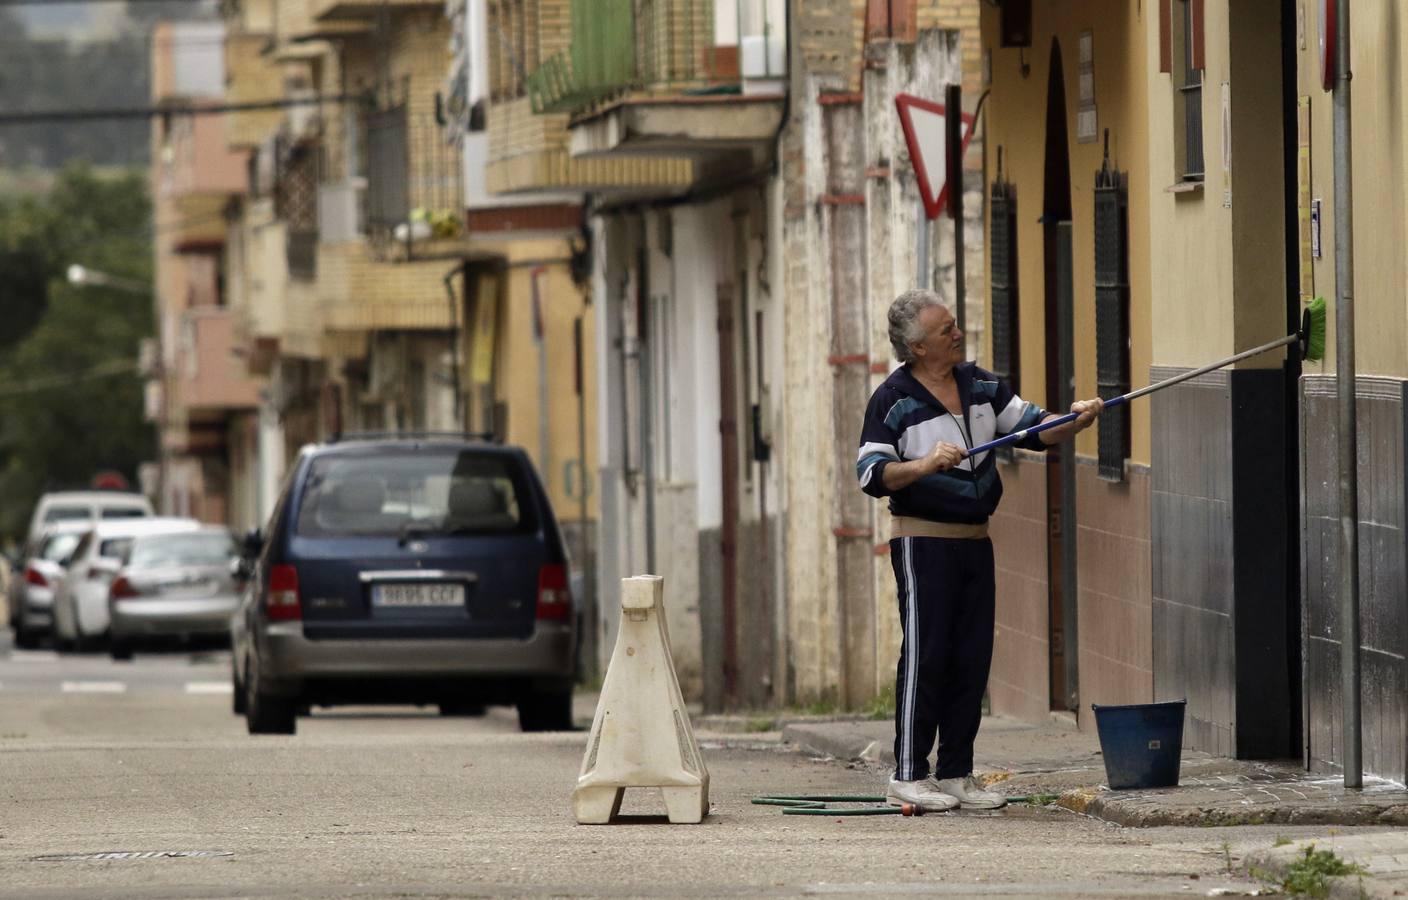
[1142, 743]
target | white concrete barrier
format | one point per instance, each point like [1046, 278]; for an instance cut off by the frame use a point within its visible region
[641, 736]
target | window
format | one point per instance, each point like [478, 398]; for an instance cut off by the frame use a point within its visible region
[1003, 278]
[1003, 281]
[67, 513]
[414, 493]
[509, 49]
[296, 202]
[388, 168]
[1186, 56]
[57, 547]
[1112, 315]
[199, 549]
[124, 512]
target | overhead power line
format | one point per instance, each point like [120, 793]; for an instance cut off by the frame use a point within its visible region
[41, 117]
[34, 385]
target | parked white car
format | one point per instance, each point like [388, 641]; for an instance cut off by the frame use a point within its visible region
[86, 506]
[32, 588]
[81, 599]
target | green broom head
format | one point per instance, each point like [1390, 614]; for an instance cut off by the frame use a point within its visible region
[1312, 330]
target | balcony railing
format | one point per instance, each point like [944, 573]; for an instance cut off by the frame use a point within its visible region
[413, 174]
[625, 45]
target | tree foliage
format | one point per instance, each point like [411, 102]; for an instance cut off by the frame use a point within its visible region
[58, 427]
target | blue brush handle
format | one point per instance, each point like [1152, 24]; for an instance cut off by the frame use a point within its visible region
[1134, 395]
[1016, 436]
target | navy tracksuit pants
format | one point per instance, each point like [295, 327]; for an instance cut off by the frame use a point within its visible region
[947, 596]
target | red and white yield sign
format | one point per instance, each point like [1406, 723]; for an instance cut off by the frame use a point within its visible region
[924, 131]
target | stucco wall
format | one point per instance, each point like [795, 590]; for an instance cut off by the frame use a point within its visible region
[1015, 122]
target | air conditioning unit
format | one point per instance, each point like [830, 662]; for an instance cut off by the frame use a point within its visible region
[763, 63]
[340, 210]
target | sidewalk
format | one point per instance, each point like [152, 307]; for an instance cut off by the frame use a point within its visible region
[1055, 759]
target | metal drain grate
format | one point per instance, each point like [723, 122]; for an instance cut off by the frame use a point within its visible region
[132, 854]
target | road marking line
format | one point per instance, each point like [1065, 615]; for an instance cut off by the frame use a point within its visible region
[209, 687]
[94, 687]
[34, 656]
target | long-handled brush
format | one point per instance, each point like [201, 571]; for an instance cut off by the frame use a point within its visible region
[1310, 336]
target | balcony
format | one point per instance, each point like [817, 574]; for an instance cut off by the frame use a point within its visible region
[198, 174]
[295, 22]
[666, 77]
[354, 10]
[209, 379]
[414, 179]
[250, 78]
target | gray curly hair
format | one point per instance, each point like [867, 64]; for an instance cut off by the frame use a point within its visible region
[904, 320]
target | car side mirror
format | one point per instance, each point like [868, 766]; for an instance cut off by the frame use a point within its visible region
[253, 543]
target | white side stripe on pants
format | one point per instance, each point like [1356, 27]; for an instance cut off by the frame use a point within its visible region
[911, 639]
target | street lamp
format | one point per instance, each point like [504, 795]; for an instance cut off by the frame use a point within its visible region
[82, 275]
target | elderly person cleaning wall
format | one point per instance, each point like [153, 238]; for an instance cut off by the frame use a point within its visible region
[913, 450]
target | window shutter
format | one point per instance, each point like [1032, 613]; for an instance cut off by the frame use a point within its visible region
[904, 25]
[1165, 36]
[1112, 315]
[1002, 248]
[1196, 9]
[877, 20]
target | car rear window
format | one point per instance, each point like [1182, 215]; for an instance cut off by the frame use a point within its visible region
[114, 548]
[123, 512]
[67, 513]
[57, 547]
[415, 492]
[181, 550]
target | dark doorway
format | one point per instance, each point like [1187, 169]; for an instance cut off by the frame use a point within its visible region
[1060, 367]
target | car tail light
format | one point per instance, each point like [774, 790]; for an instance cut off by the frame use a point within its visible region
[283, 603]
[122, 589]
[32, 576]
[554, 599]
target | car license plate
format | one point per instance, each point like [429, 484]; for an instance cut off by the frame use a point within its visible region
[436, 594]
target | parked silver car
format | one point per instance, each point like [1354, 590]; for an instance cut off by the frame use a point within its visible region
[32, 587]
[81, 599]
[173, 586]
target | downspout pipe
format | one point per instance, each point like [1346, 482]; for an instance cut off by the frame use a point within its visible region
[1348, 419]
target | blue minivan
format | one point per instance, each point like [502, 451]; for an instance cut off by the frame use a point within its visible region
[407, 569]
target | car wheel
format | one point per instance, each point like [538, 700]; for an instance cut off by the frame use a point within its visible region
[237, 704]
[462, 708]
[265, 714]
[547, 711]
[25, 639]
[121, 651]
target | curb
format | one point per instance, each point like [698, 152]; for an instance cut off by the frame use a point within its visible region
[819, 740]
[1276, 862]
[1143, 812]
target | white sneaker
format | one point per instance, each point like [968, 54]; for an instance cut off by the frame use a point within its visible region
[970, 793]
[925, 794]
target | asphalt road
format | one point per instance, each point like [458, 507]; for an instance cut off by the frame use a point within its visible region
[403, 803]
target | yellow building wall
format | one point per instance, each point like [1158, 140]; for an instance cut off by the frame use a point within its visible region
[516, 368]
[1379, 60]
[1015, 121]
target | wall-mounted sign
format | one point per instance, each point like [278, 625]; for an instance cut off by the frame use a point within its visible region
[1086, 118]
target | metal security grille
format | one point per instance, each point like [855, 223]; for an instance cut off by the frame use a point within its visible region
[1112, 313]
[1192, 91]
[1003, 278]
[296, 202]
